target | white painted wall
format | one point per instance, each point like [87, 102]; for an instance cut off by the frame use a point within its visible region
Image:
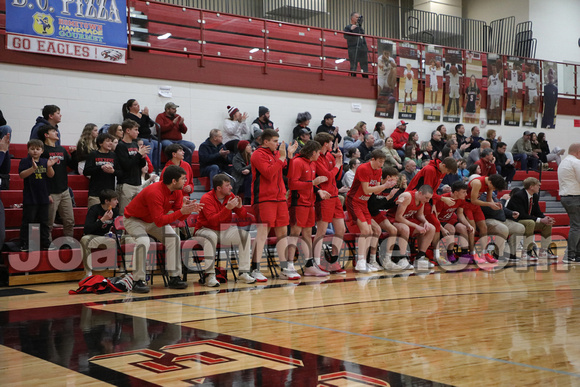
[86, 97]
[490, 10]
[443, 7]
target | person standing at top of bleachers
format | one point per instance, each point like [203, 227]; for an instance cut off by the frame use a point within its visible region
[50, 116]
[235, 129]
[172, 126]
[357, 45]
[213, 156]
[61, 199]
[86, 144]
[132, 158]
[102, 167]
[132, 111]
[4, 127]
[35, 171]
[259, 124]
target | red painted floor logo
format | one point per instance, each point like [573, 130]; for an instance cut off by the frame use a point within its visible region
[190, 363]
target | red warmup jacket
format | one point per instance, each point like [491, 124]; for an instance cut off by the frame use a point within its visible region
[150, 168]
[326, 166]
[487, 167]
[400, 139]
[170, 130]
[215, 213]
[301, 173]
[153, 204]
[188, 172]
[267, 177]
[430, 175]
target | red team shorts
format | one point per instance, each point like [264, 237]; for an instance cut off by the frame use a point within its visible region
[358, 210]
[302, 216]
[473, 212]
[380, 217]
[274, 214]
[329, 209]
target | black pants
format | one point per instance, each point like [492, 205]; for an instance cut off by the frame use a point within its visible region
[358, 56]
[34, 214]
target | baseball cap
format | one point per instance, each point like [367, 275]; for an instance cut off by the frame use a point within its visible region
[305, 131]
[401, 123]
[328, 115]
[527, 133]
[171, 105]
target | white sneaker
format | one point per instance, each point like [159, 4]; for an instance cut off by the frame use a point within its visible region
[314, 271]
[258, 276]
[528, 257]
[361, 266]
[404, 264]
[211, 281]
[390, 265]
[246, 278]
[374, 266]
[288, 274]
[423, 264]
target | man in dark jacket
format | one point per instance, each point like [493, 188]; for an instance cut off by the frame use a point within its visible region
[326, 126]
[357, 45]
[213, 157]
[50, 116]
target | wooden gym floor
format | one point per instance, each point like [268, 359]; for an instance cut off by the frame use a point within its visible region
[477, 326]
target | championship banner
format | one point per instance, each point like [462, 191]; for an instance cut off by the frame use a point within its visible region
[514, 83]
[433, 84]
[408, 72]
[550, 72]
[94, 30]
[473, 74]
[532, 86]
[494, 89]
[454, 79]
[386, 79]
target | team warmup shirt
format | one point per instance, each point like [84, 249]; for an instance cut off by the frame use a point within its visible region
[99, 179]
[215, 213]
[301, 173]
[131, 162]
[153, 204]
[267, 176]
[326, 166]
[59, 182]
[364, 173]
[429, 175]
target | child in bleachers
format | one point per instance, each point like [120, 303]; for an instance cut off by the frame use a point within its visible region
[102, 167]
[176, 154]
[35, 171]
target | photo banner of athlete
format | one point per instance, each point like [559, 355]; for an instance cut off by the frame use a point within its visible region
[408, 73]
[433, 98]
[93, 31]
[514, 85]
[495, 89]
[532, 86]
[550, 73]
[454, 80]
[386, 79]
[472, 86]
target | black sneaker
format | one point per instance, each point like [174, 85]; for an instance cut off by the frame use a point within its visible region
[176, 283]
[570, 260]
[141, 287]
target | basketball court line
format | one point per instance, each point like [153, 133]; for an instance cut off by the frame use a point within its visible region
[424, 346]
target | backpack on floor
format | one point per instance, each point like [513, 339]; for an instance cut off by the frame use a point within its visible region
[95, 284]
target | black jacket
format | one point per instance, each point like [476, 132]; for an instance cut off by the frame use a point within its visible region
[520, 203]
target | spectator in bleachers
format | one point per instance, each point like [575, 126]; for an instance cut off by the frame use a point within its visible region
[172, 126]
[218, 205]
[522, 151]
[132, 111]
[151, 212]
[102, 168]
[234, 129]
[526, 203]
[491, 134]
[4, 127]
[348, 177]
[380, 136]
[60, 194]
[437, 143]
[242, 171]
[352, 153]
[86, 144]
[460, 134]
[503, 164]
[35, 171]
[426, 152]
[400, 137]
[413, 140]
[259, 124]
[361, 126]
[366, 147]
[132, 158]
[147, 178]
[410, 154]
[409, 169]
[98, 223]
[475, 140]
[357, 45]
[351, 140]
[326, 126]
[486, 162]
[213, 157]
[4, 179]
[393, 159]
[50, 116]
[452, 148]
[475, 154]
[302, 121]
[176, 156]
[554, 155]
[115, 130]
[443, 130]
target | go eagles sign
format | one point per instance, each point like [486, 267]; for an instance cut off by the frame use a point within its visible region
[84, 29]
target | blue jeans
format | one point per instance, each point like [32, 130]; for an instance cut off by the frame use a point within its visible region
[188, 147]
[153, 152]
[525, 159]
[210, 171]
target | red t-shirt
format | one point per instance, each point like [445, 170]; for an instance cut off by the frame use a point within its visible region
[364, 173]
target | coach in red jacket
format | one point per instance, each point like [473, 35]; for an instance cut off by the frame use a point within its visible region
[149, 214]
[215, 224]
